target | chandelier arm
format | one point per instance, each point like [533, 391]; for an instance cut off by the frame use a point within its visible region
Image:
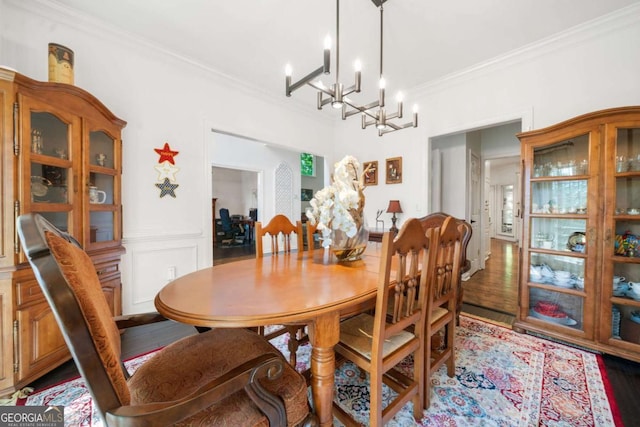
[393, 116]
[366, 123]
[392, 127]
[321, 88]
[322, 102]
[350, 90]
[357, 109]
[305, 80]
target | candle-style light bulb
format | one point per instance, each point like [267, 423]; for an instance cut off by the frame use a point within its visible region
[358, 67]
[327, 42]
[287, 79]
[326, 56]
[399, 97]
[381, 85]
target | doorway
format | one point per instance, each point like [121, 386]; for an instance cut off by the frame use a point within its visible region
[236, 191]
[486, 148]
[245, 179]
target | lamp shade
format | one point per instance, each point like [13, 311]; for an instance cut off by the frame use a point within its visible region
[394, 206]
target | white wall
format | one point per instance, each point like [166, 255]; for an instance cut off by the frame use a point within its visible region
[167, 99]
[501, 141]
[453, 173]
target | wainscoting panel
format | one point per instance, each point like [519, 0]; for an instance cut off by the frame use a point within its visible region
[147, 268]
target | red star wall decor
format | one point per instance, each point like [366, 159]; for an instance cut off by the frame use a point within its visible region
[166, 154]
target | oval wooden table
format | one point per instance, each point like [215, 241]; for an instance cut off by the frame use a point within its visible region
[313, 289]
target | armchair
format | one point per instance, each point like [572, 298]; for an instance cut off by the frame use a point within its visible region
[219, 377]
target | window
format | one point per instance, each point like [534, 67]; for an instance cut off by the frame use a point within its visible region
[307, 164]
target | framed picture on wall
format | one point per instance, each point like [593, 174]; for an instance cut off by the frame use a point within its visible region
[306, 194]
[370, 172]
[394, 170]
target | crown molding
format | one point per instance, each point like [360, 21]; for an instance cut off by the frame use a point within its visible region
[590, 30]
[63, 15]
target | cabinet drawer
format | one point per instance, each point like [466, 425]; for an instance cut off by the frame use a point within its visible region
[28, 292]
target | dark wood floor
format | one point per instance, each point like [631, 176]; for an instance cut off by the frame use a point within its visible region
[496, 287]
[223, 254]
[491, 293]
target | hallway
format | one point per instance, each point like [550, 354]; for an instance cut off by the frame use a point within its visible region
[496, 287]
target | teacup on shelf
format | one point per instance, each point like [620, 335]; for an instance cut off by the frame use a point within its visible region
[634, 290]
[618, 279]
[633, 211]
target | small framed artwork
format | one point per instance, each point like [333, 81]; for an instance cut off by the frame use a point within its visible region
[370, 172]
[394, 170]
[306, 194]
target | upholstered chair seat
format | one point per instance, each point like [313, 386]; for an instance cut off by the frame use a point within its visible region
[161, 380]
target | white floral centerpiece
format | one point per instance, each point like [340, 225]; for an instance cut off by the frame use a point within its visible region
[338, 210]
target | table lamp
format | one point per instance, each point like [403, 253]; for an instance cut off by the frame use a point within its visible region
[394, 208]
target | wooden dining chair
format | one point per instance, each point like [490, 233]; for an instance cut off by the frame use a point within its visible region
[219, 377]
[280, 231]
[376, 343]
[312, 231]
[435, 220]
[442, 285]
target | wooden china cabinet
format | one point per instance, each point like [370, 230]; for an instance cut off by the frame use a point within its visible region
[580, 263]
[61, 157]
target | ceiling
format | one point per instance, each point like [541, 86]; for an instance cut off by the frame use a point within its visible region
[252, 40]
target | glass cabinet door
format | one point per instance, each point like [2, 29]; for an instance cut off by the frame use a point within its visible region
[51, 166]
[621, 281]
[557, 222]
[103, 179]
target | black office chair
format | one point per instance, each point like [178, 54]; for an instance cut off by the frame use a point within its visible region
[234, 233]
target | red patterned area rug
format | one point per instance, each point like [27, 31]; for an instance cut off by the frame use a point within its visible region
[502, 379]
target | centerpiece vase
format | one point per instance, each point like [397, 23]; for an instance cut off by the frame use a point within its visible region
[346, 248]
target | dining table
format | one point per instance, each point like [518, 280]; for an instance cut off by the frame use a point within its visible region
[310, 287]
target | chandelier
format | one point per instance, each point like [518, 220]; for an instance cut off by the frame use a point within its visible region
[372, 113]
[336, 92]
[375, 113]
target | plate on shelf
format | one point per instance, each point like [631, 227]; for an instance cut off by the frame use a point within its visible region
[567, 284]
[566, 320]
